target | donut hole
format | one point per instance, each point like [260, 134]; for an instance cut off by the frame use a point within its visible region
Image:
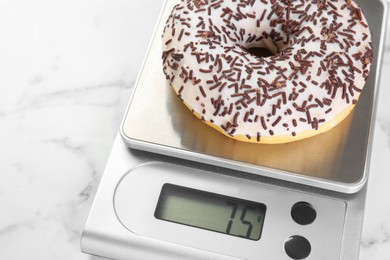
[266, 48]
[260, 52]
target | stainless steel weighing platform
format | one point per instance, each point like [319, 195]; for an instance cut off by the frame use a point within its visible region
[329, 172]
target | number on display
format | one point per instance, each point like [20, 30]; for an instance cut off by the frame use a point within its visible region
[237, 217]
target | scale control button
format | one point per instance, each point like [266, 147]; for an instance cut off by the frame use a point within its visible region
[297, 247]
[303, 213]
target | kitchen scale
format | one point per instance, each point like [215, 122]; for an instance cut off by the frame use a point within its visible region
[174, 188]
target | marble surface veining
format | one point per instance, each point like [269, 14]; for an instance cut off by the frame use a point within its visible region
[66, 71]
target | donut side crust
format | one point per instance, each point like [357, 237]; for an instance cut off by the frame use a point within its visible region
[280, 139]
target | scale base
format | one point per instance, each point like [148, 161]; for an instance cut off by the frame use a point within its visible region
[105, 235]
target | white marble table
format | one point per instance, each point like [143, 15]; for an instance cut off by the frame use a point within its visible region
[66, 71]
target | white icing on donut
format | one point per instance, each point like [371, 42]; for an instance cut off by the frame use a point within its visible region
[323, 54]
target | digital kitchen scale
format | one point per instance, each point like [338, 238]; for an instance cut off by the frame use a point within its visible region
[175, 188]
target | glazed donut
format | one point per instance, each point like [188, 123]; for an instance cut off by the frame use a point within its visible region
[321, 58]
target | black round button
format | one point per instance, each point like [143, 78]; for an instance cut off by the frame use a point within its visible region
[297, 247]
[303, 213]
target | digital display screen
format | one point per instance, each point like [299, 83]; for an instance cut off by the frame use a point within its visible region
[211, 211]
